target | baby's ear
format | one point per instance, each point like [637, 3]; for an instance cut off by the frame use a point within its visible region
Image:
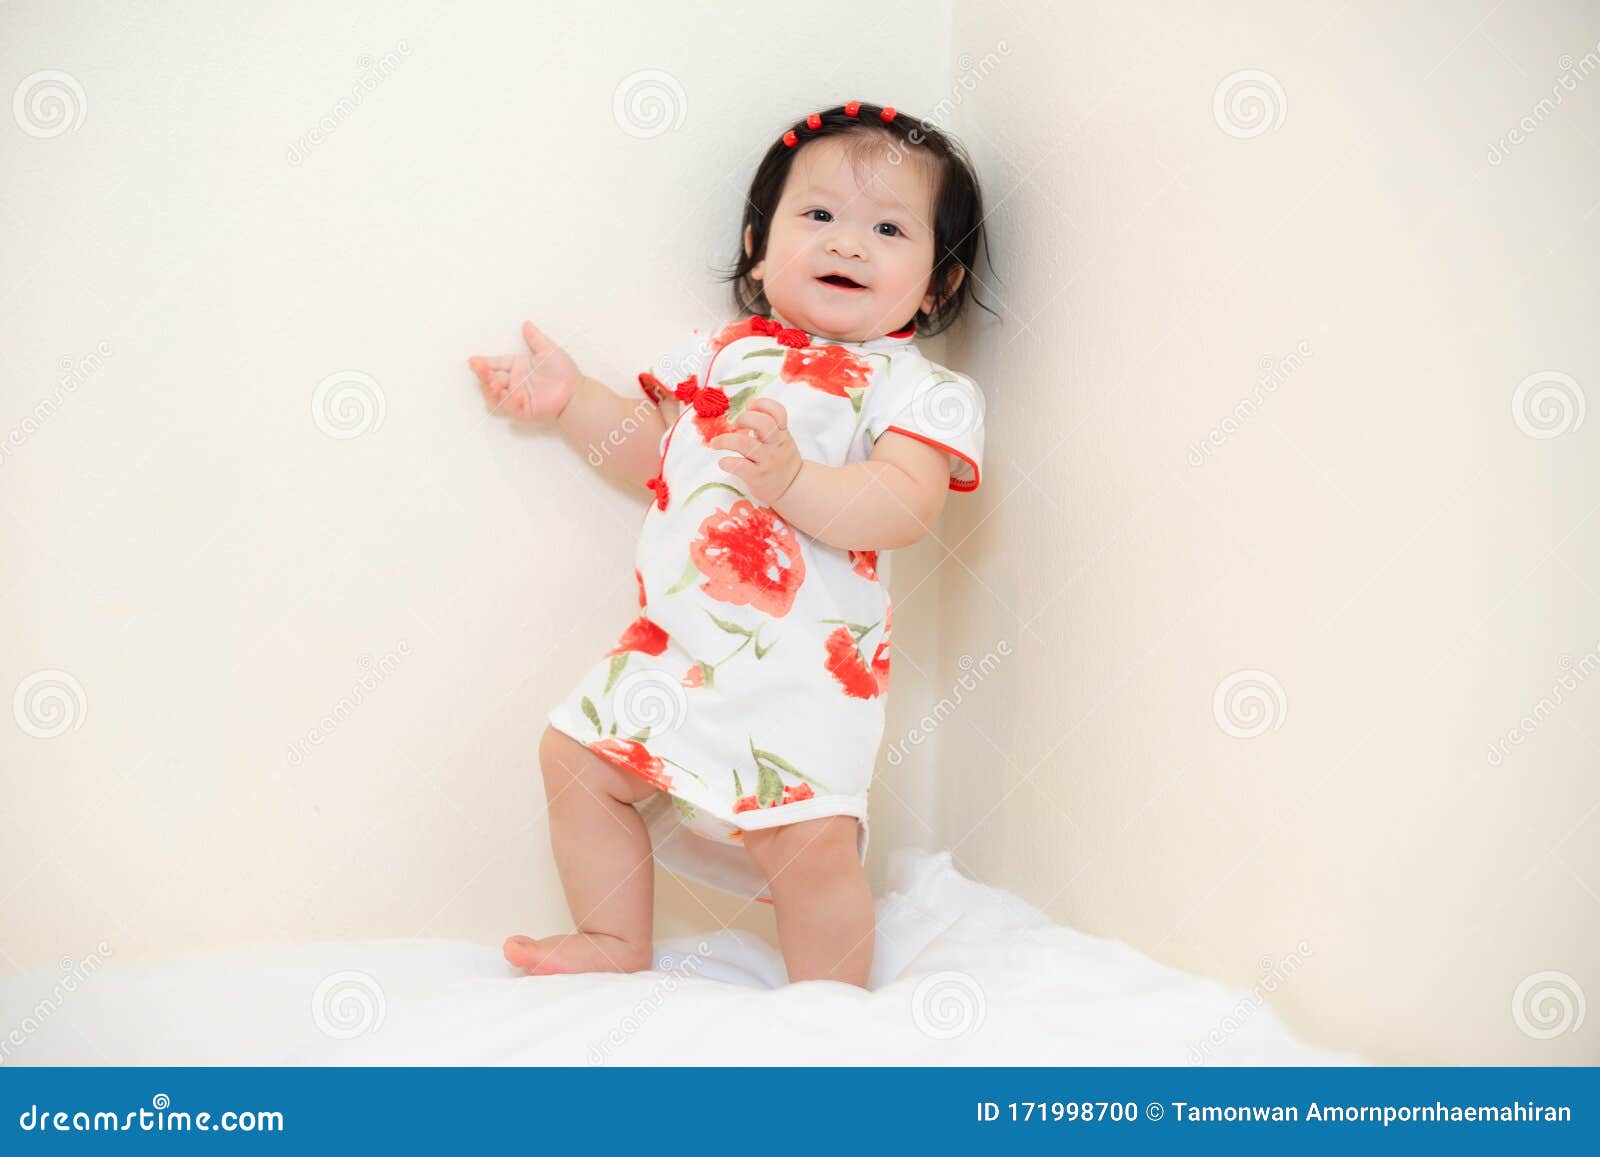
[953, 282]
[749, 247]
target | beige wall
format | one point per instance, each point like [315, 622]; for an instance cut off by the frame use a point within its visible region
[1404, 569]
[204, 570]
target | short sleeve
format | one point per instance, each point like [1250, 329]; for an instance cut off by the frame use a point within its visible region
[933, 405]
[682, 360]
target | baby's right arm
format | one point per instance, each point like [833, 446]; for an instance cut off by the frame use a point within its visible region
[622, 436]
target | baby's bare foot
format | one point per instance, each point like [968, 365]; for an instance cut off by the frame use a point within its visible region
[574, 952]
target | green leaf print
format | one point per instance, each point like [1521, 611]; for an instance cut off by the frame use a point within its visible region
[698, 490]
[769, 788]
[761, 652]
[731, 628]
[641, 736]
[738, 788]
[691, 572]
[764, 757]
[594, 716]
[766, 353]
[752, 376]
[685, 808]
[739, 401]
[618, 662]
[855, 398]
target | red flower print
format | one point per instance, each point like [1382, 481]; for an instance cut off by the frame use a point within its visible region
[829, 368]
[631, 755]
[863, 562]
[844, 663]
[880, 657]
[642, 635]
[735, 330]
[709, 427]
[792, 793]
[639, 578]
[695, 676]
[750, 557]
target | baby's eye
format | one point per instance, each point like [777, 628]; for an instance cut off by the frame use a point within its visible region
[824, 212]
[890, 225]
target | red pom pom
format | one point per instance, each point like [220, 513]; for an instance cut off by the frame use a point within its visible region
[814, 122]
[685, 389]
[763, 325]
[794, 338]
[710, 402]
[852, 108]
[659, 485]
[790, 139]
[887, 114]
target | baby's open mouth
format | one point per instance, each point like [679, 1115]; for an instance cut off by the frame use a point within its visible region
[839, 281]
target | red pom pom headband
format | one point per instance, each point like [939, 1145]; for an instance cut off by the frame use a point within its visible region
[852, 109]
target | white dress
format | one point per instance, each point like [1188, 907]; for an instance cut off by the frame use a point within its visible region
[751, 687]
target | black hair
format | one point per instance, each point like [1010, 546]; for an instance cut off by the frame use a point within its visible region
[958, 232]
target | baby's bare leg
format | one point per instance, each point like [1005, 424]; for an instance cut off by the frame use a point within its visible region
[602, 852]
[822, 899]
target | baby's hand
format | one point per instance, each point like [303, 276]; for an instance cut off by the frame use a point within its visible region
[536, 384]
[768, 458]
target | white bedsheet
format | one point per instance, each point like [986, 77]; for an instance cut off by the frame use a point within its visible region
[962, 974]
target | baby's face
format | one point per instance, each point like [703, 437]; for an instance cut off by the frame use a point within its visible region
[865, 219]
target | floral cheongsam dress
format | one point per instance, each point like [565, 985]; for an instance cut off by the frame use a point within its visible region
[750, 689]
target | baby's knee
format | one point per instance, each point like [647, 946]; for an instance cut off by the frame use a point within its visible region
[809, 852]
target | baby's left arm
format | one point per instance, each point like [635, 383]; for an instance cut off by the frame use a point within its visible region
[887, 502]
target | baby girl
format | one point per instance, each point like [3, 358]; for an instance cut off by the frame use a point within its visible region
[731, 732]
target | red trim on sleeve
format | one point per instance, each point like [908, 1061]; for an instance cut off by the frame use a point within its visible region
[955, 483]
[652, 387]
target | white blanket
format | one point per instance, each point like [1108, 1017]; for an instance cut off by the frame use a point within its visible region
[962, 974]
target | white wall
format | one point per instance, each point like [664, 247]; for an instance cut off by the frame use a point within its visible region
[1380, 536]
